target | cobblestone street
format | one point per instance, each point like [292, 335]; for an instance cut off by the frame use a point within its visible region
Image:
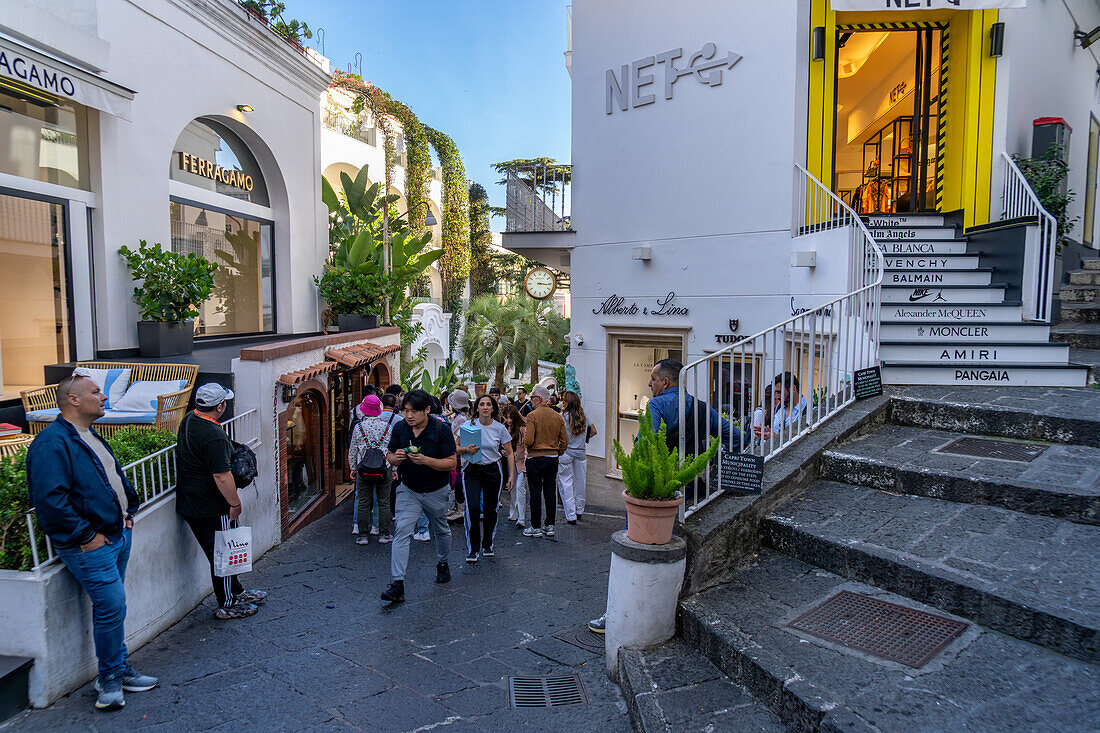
[325, 653]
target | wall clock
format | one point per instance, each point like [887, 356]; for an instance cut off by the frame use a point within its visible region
[540, 283]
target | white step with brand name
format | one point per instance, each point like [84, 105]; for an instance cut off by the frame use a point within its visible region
[904, 220]
[951, 353]
[931, 262]
[944, 277]
[1001, 375]
[921, 332]
[913, 234]
[963, 313]
[951, 294]
[945, 247]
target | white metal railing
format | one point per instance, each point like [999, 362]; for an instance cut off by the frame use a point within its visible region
[813, 355]
[152, 477]
[1020, 201]
[538, 198]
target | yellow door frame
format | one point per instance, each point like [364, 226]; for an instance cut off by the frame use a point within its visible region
[964, 165]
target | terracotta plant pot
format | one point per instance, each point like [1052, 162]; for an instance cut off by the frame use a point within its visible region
[650, 522]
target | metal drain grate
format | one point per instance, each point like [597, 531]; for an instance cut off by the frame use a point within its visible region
[1003, 450]
[584, 637]
[879, 628]
[546, 692]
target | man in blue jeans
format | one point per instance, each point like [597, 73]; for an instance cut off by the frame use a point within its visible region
[78, 491]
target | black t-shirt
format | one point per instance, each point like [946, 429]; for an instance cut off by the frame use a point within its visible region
[525, 410]
[434, 441]
[202, 449]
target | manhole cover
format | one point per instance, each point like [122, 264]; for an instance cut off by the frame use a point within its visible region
[546, 692]
[1003, 450]
[583, 637]
[882, 629]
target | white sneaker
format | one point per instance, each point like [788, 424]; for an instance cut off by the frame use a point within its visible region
[355, 529]
[532, 532]
[548, 530]
[374, 530]
[422, 536]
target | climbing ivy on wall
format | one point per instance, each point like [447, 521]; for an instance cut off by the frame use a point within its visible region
[456, 221]
[377, 101]
[418, 163]
[482, 278]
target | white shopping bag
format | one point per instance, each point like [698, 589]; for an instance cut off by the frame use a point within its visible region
[232, 551]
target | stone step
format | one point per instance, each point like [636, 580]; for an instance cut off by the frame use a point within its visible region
[931, 263]
[1080, 312]
[14, 685]
[948, 352]
[1089, 358]
[932, 247]
[674, 687]
[1061, 482]
[942, 294]
[1070, 416]
[932, 332]
[1078, 293]
[1032, 577]
[1077, 335]
[977, 276]
[966, 313]
[1090, 264]
[886, 221]
[982, 682]
[1004, 374]
[1084, 277]
[912, 233]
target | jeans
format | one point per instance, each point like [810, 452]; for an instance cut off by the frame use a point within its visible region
[483, 484]
[373, 499]
[101, 573]
[542, 473]
[572, 475]
[410, 505]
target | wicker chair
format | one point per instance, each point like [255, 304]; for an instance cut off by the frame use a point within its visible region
[171, 407]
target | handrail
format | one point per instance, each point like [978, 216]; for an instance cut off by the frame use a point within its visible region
[153, 477]
[1020, 200]
[822, 346]
[538, 197]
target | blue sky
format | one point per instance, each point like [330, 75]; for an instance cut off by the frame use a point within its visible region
[489, 73]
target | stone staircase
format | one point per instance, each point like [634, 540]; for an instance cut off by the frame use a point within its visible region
[1006, 548]
[946, 319]
[1080, 326]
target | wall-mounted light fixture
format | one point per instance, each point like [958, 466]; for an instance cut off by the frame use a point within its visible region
[1087, 39]
[244, 108]
[643, 253]
[996, 40]
[817, 46]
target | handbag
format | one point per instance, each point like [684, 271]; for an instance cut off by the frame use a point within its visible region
[591, 433]
[232, 551]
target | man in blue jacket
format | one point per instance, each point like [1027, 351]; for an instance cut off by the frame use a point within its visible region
[79, 493]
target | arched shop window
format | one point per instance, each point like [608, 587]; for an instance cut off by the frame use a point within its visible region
[237, 237]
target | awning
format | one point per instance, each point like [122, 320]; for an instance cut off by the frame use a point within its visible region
[31, 72]
[360, 354]
[926, 4]
[304, 375]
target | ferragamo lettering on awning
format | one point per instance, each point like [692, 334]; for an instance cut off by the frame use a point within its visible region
[209, 169]
[31, 72]
[926, 4]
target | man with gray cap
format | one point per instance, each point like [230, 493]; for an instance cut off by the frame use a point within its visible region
[206, 494]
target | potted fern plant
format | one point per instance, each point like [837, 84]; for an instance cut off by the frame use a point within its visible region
[655, 477]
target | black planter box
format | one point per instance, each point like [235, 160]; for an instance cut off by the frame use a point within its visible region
[165, 338]
[349, 322]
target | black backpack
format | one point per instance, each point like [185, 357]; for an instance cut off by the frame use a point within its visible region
[243, 465]
[700, 426]
[372, 465]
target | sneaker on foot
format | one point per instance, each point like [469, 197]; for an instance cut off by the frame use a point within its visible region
[598, 625]
[363, 539]
[374, 529]
[255, 597]
[472, 557]
[355, 529]
[385, 539]
[488, 552]
[110, 693]
[532, 532]
[457, 513]
[548, 531]
[237, 610]
[422, 536]
[442, 573]
[570, 521]
[395, 593]
[134, 681]
[520, 525]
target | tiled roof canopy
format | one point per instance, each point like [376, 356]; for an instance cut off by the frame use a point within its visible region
[303, 375]
[360, 354]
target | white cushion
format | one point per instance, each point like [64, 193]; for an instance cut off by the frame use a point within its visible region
[142, 396]
[113, 383]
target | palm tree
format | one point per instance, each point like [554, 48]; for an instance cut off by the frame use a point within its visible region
[546, 328]
[496, 334]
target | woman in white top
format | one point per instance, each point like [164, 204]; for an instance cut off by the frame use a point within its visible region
[483, 475]
[573, 464]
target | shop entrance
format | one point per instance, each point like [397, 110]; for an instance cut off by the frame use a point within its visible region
[889, 101]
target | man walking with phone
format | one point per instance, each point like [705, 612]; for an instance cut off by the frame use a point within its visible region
[206, 493]
[86, 506]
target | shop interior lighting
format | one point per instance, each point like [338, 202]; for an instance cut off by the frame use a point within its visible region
[1087, 39]
[996, 40]
[855, 49]
[244, 108]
